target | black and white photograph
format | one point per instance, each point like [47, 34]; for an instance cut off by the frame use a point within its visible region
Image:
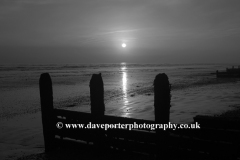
[119, 79]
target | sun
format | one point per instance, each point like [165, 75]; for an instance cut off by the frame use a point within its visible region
[124, 45]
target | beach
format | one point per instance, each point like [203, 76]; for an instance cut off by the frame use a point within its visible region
[128, 93]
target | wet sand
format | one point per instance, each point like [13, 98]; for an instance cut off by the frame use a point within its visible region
[22, 135]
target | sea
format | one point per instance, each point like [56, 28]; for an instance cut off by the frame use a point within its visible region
[128, 89]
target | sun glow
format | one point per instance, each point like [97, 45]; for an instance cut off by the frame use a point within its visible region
[124, 45]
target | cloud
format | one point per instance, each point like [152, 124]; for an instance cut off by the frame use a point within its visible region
[109, 36]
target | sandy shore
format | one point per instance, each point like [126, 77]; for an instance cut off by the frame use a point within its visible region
[24, 141]
[21, 136]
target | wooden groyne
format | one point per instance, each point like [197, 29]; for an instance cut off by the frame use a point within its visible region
[210, 141]
[229, 73]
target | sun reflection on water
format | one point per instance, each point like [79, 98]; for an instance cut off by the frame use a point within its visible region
[124, 86]
[125, 108]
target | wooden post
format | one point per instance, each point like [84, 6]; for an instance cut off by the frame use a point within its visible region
[46, 96]
[162, 98]
[97, 95]
[97, 110]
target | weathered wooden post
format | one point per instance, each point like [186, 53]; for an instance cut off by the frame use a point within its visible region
[97, 109]
[162, 99]
[46, 96]
[97, 95]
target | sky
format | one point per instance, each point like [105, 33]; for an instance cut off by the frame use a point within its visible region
[92, 31]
